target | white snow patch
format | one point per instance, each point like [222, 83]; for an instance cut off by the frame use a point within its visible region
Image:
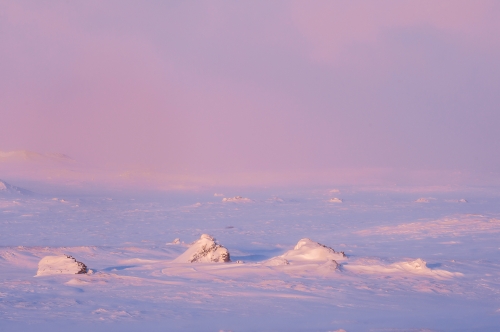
[61, 264]
[76, 282]
[204, 250]
[237, 199]
[461, 200]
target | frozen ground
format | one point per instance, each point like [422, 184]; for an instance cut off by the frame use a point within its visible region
[416, 261]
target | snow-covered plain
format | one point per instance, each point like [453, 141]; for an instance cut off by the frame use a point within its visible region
[407, 266]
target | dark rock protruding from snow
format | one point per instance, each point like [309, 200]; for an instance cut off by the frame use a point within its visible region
[62, 264]
[205, 250]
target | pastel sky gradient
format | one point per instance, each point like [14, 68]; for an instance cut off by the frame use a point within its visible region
[258, 86]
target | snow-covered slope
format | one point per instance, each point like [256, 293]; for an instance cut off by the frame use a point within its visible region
[204, 250]
[135, 283]
[62, 264]
[25, 155]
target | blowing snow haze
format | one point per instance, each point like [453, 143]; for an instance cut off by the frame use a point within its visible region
[249, 165]
[246, 90]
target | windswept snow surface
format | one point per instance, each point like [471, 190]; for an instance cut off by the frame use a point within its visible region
[407, 266]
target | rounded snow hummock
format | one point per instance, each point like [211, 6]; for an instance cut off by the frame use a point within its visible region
[308, 250]
[276, 261]
[237, 199]
[62, 264]
[204, 250]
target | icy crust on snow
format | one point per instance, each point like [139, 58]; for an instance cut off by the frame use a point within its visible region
[62, 264]
[308, 250]
[204, 250]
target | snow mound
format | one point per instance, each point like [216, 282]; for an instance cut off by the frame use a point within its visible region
[6, 188]
[174, 242]
[308, 250]
[204, 250]
[335, 200]
[276, 261]
[62, 264]
[412, 266]
[237, 199]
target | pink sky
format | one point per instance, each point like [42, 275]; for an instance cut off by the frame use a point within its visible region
[254, 86]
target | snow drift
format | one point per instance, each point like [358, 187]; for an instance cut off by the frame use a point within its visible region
[237, 199]
[415, 267]
[62, 264]
[276, 261]
[204, 250]
[307, 250]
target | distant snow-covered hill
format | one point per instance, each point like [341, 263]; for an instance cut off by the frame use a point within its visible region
[25, 155]
[7, 189]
